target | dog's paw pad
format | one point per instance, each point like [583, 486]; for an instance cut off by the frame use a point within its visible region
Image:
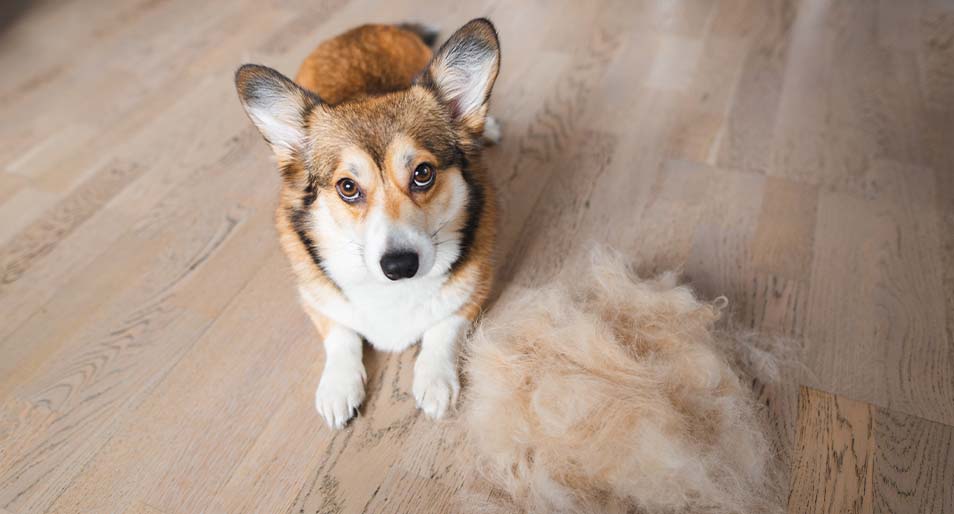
[338, 397]
[492, 131]
[435, 391]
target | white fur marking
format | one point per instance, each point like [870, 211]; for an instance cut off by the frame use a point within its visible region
[436, 385]
[278, 116]
[492, 132]
[464, 75]
[341, 389]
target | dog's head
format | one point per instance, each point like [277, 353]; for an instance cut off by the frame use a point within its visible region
[381, 184]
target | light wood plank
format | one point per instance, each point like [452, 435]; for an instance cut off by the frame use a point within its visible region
[794, 156]
[747, 143]
[836, 453]
[913, 466]
[784, 238]
[854, 457]
[876, 312]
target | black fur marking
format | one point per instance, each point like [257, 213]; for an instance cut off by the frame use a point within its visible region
[289, 171]
[475, 211]
[311, 100]
[299, 222]
[311, 192]
[427, 34]
[377, 155]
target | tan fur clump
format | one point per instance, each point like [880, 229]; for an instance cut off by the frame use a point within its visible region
[605, 393]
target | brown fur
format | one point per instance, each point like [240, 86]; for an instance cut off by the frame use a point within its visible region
[367, 60]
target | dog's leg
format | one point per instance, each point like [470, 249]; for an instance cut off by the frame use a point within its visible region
[436, 385]
[341, 388]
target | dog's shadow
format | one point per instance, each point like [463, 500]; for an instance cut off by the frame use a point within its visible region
[10, 12]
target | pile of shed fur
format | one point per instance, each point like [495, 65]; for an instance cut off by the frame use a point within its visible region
[601, 392]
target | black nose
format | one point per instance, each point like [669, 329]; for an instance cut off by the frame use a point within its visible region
[398, 265]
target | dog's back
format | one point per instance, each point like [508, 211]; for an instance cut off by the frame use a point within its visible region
[367, 60]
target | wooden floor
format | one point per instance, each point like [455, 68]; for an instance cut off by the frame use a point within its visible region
[797, 157]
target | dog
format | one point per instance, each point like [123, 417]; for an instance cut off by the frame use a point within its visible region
[386, 211]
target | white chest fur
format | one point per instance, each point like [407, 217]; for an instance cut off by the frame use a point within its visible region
[392, 316]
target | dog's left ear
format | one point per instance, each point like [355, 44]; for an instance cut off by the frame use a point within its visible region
[464, 70]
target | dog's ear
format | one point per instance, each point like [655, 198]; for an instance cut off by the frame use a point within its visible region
[277, 106]
[464, 70]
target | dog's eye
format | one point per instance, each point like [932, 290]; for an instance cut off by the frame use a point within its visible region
[423, 176]
[348, 190]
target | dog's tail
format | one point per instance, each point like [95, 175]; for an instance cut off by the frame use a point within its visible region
[427, 33]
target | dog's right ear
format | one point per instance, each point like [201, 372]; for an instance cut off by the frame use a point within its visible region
[277, 106]
[464, 70]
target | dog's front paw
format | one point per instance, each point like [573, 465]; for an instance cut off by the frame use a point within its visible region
[339, 394]
[435, 387]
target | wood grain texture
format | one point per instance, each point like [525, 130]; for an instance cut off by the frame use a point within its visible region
[784, 238]
[857, 458]
[914, 464]
[835, 455]
[792, 155]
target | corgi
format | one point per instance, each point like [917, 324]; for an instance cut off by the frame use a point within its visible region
[386, 212]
